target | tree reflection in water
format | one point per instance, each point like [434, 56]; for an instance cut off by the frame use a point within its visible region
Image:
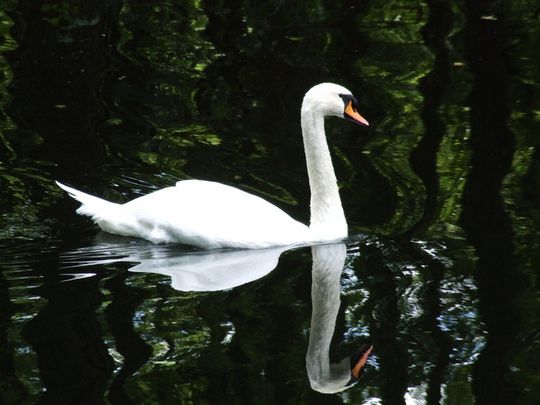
[123, 97]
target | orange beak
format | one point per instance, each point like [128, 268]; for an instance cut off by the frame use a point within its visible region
[362, 360]
[351, 114]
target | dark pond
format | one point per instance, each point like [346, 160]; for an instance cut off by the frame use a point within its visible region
[441, 193]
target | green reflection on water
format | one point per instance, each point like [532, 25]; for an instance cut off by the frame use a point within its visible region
[123, 97]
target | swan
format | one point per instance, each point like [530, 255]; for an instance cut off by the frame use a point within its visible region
[212, 215]
[326, 377]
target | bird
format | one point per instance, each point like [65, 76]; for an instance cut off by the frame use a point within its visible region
[212, 215]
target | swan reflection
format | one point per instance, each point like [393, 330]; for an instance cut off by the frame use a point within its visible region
[226, 269]
[204, 271]
[324, 377]
[189, 270]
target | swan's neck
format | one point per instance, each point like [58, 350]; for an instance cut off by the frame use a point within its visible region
[327, 217]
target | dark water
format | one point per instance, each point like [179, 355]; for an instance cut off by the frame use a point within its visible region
[441, 194]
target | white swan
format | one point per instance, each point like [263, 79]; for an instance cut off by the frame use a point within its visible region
[212, 215]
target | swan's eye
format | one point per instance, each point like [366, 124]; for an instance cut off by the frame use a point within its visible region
[347, 98]
[349, 101]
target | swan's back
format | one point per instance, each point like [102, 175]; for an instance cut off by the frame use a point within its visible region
[212, 215]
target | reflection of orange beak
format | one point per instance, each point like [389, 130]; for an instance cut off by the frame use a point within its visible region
[362, 360]
[353, 115]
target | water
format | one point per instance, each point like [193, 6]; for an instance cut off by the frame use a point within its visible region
[441, 194]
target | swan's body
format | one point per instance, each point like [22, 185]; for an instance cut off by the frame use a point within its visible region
[212, 215]
[198, 213]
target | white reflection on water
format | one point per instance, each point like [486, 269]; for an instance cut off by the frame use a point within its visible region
[218, 270]
[189, 270]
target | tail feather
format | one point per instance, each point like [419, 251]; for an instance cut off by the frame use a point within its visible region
[110, 217]
[90, 206]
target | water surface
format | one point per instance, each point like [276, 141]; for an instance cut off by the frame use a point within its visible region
[440, 275]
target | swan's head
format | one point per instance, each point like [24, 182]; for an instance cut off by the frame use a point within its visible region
[333, 100]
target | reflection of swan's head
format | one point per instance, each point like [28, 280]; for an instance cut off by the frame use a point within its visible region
[343, 374]
[332, 100]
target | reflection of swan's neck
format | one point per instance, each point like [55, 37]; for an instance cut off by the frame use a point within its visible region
[328, 262]
[327, 217]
